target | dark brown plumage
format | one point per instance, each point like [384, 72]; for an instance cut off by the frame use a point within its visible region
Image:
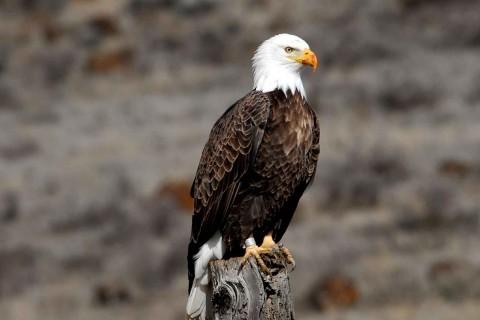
[259, 158]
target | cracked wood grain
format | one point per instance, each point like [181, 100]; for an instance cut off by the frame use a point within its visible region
[249, 293]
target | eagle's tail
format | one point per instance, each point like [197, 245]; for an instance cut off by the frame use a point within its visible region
[199, 295]
[197, 300]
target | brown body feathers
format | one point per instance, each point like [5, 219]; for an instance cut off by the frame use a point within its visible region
[259, 158]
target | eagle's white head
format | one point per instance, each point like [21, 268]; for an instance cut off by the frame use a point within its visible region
[278, 61]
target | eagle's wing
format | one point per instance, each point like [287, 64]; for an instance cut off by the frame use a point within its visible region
[226, 158]
[314, 151]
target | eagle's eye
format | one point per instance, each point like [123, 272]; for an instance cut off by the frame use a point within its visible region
[289, 49]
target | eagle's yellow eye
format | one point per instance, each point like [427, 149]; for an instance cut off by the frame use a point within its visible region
[289, 49]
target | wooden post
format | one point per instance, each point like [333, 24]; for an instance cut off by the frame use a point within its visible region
[249, 293]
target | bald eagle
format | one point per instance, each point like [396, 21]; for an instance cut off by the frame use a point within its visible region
[260, 157]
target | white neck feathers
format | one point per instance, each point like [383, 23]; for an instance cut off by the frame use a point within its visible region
[272, 73]
[268, 79]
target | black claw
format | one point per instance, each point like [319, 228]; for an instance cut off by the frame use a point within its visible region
[286, 253]
[242, 264]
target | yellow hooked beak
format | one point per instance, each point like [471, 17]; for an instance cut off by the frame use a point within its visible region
[307, 57]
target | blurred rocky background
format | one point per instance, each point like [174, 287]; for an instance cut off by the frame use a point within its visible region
[105, 106]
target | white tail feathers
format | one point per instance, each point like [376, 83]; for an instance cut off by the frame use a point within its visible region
[197, 300]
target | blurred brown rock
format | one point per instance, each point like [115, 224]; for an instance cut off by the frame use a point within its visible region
[110, 60]
[106, 25]
[455, 168]
[9, 207]
[177, 190]
[107, 294]
[334, 291]
[52, 31]
[19, 149]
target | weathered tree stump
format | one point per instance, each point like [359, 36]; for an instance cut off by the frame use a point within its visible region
[249, 293]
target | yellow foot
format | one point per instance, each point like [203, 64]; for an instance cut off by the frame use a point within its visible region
[268, 242]
[255, 251]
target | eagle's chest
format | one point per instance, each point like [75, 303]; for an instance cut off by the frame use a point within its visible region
[289, 129]
[287, 139]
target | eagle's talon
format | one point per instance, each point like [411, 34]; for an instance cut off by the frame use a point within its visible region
[288, 255]
[255, 252]
[242, 264]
